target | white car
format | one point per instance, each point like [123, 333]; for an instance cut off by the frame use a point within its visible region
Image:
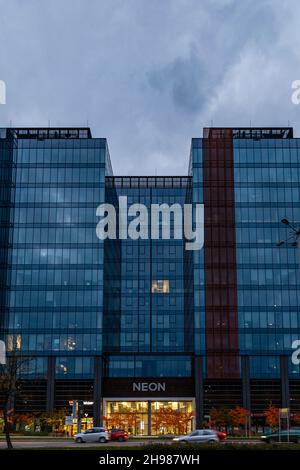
[93, 435]
[199, 436]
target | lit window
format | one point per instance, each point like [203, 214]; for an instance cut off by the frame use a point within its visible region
[10, 343]
[160, 287]
[71, 344]
[18, 342]
[13, 342]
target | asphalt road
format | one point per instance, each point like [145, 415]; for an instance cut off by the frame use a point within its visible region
[19, 444]
[34, 444]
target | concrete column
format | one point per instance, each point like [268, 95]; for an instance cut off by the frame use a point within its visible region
[246, 382]
[284, 379]
[98, 399]
[198, 376]
[50, 384]
[149, 418]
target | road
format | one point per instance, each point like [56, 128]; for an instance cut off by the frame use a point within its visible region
[30, 443]
[56, 443]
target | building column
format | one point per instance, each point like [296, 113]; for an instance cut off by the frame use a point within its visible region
[198, 377]
[50, 384]
[98, 412]
[284, 379]
[246, 382]
[149, 418]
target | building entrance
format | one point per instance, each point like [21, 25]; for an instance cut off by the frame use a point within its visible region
[156, 418]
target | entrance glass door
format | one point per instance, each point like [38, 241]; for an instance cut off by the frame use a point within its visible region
[166, 417]
[129, 415]
[171, 417]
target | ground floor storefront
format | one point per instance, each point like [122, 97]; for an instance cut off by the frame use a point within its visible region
[150, 405]
[150, 417]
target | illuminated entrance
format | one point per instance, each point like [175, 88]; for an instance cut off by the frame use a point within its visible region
[141, 418]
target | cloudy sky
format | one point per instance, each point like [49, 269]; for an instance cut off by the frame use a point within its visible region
[149, 74]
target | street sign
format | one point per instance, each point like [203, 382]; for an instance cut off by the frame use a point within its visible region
[284, 413]
[68, 420]
[2, 353]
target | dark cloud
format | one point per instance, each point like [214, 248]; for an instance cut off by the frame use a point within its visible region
[185, 80]
[148, 75]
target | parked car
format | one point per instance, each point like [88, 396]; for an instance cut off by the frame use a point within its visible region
[292, 436]
[221, 435]
[118, 435]
[93, 435]
[199, 436]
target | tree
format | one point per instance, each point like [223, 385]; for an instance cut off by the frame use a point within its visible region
[237, 416]
[133, 420]
[129, 420]
[296, 419]
[272, 416]
[219, 417]
[9, 388]
[54, 418]
[23, 419]
[116, 420]
[184, 418]
[166, 419]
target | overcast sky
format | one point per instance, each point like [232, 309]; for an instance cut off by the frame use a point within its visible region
[149, 74]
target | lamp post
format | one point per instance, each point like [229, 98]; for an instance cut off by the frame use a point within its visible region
[294, 237]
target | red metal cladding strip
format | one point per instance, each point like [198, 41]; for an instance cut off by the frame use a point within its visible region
[222, 348]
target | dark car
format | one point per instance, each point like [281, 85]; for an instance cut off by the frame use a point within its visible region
[292, 436]
[118, 435]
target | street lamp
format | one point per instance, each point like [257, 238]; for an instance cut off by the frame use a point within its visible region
[294, 237]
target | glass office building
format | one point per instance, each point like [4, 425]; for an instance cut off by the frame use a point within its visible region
[134, 328]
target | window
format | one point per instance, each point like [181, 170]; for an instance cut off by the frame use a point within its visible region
[160, 287]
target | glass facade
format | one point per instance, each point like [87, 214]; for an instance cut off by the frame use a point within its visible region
[153, 311]
[265, 166]
[206, 323]
[267, 177]
[54, 277]
[196, 172]
[163, 417]
[149, 366]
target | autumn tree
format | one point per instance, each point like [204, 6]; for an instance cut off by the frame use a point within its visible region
[116, 420]
[296, 419]
[10, 387]
[165, 418]
[237, 416]
[183, 419]
[219, 417]
[272, 416]
[23, 419]
[55, 418]
[128, 421]
[133, 420]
